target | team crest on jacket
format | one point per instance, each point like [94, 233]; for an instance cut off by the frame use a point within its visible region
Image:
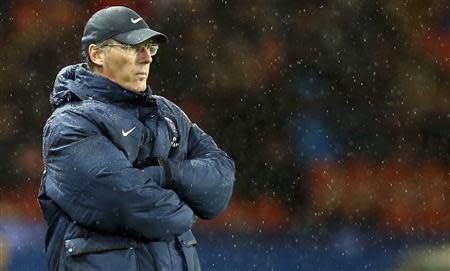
[173, 132]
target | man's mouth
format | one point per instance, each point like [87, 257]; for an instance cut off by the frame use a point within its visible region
[142, 74]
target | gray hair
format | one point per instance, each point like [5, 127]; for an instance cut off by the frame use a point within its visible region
[87, 58]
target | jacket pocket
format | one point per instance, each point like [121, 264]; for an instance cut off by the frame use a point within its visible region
[100, 253]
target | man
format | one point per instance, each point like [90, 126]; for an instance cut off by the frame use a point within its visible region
[126, 172]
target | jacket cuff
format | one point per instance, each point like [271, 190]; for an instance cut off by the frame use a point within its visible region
[156, 173]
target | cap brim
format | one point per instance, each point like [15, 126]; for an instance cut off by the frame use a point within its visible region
[140, 35]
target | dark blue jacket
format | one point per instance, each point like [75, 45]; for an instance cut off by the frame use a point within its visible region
[125, 176]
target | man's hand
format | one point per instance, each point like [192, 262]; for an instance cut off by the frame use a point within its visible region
[159, 167]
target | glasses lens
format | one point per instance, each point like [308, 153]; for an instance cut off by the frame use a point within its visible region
[127, 48]
[152, 48]
[134, 49]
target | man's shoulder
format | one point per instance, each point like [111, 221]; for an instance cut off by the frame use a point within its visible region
[78, 112]
[169, 107]
[85, 108]
[161, 100]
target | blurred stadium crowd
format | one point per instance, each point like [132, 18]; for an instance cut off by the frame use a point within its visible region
[336, 113]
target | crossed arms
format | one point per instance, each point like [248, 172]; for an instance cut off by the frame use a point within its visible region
[93, 182]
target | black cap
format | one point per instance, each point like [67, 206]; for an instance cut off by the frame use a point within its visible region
[120, 23]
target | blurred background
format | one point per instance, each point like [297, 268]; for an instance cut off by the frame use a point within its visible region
[335, 112]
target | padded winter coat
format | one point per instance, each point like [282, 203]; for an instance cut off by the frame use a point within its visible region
[125, 177]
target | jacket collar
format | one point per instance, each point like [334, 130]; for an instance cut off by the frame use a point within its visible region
[79, 81]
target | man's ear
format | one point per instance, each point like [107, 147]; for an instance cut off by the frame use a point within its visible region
[97, 55]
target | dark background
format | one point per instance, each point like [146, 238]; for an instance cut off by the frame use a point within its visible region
[335, 112]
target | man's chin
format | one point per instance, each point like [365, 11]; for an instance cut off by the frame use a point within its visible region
[138, 88]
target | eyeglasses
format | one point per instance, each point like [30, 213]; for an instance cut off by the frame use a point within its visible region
[134, 49]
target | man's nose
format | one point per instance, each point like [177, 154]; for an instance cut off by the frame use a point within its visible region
[144, 56]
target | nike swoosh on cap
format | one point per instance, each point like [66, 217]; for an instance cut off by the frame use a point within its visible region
[135, 20]
[128, 132]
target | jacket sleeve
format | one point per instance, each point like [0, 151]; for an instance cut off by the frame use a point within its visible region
[205, 179]
[93, 182]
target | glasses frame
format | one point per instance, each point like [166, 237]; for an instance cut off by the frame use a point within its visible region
[134, 49]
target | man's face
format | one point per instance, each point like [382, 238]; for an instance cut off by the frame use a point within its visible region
[128, 66]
